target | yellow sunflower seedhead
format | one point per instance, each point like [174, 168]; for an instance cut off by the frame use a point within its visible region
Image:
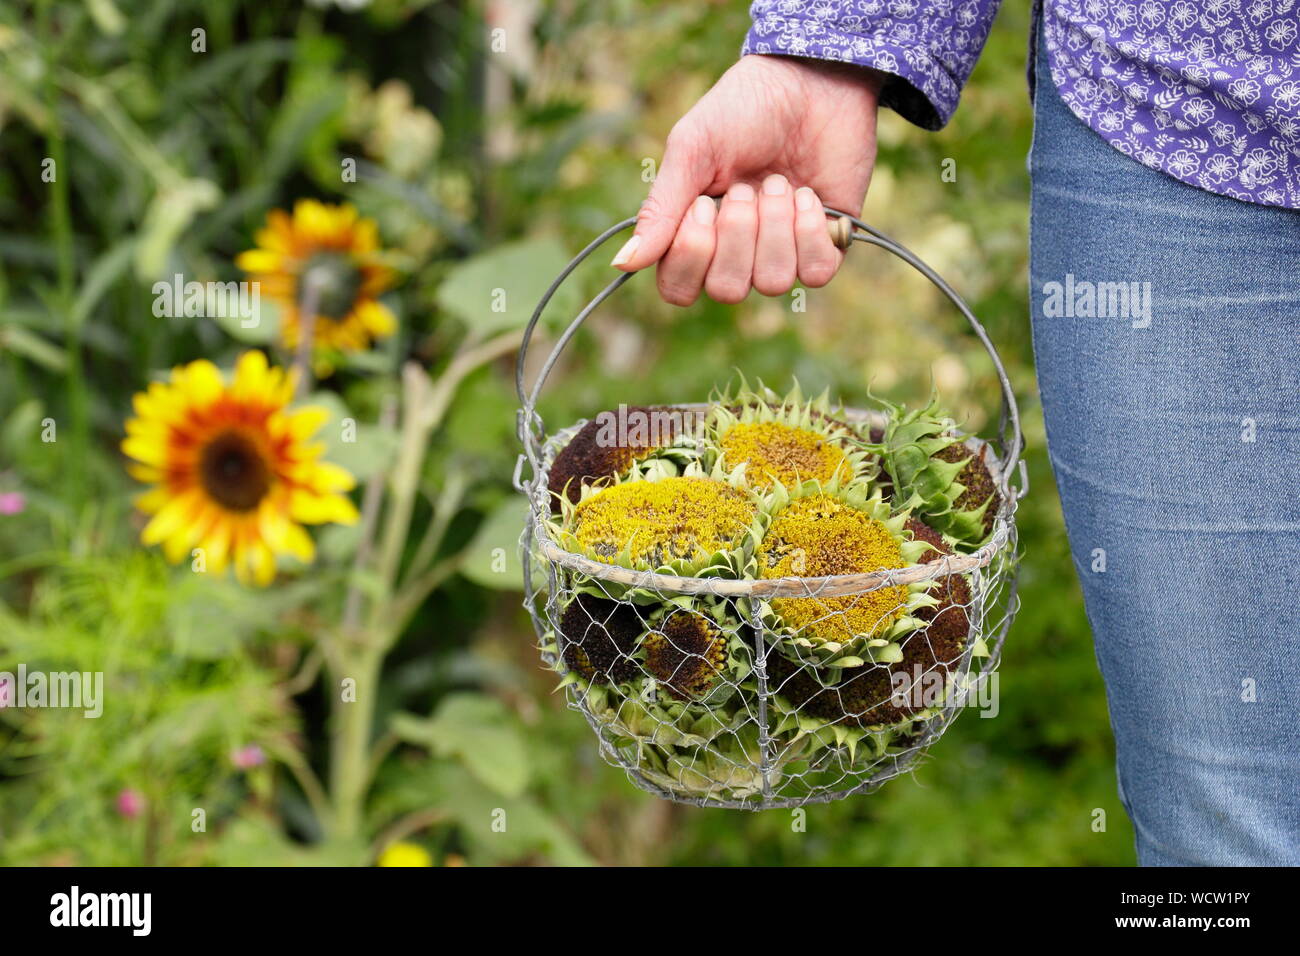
[817, 536]
[784, 441]
[338, 252]
[234, 472]
[647, 524]
[774, 451]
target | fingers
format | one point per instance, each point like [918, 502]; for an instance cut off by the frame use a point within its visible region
[818, 257]
[732, 269]
[775, 259]
[683, 268]
[765, 240]
[681, 178]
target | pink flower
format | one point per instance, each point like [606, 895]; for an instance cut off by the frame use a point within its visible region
[6, 693]
[130, 803]
[246, 758]
[12, 502]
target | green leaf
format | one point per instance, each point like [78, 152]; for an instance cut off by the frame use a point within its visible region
[337, 543]
[251, 840]
[480, 732]
[847, 661]
[107, 17]
[15, 338]
[245, 65]
[492, 558]
[262, 329]
[498, 290]
[169, 214]
[362, 448]
[505, 829]
[491, 828]
[211, 616]
[101, 276]
[308, 110]
[20, 429]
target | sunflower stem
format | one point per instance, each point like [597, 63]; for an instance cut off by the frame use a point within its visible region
[361, 650]
[371, 501]
[61, 227]
[416, 426]
[466, 361]
[354, 714]
[444, 507]
[412, 595]
[307, 305]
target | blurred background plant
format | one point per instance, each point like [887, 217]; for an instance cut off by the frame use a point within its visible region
[488, 140]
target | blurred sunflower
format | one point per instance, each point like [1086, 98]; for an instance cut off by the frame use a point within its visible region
[340, 253]
[405, 854]
[234, 470]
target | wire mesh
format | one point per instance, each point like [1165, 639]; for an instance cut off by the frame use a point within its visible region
[700, 699]
[717, 690]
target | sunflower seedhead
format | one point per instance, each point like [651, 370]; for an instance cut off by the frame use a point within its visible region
[935, 474]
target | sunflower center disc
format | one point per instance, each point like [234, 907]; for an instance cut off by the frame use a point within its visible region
[234, 473]
[337, 281]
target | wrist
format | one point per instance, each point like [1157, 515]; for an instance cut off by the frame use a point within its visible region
[849, 80]
[847, 74]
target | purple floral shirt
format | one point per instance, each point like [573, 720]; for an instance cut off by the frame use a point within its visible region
[1207, 91]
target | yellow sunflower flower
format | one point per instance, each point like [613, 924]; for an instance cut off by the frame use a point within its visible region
[235, 472]
[340, 251]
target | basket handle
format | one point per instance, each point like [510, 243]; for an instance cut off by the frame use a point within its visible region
[844, 230]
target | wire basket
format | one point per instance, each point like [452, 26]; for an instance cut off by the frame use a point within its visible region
[704, 695]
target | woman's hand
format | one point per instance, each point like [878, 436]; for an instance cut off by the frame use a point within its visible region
[781, 137]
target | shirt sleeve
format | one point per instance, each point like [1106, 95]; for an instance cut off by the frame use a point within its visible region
[928, 47]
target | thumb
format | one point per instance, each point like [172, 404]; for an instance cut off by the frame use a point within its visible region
[681, 178]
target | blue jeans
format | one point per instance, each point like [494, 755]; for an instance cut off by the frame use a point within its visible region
[1174, 436]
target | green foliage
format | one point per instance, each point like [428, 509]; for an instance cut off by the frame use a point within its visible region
[478, 730]
[498, 289]
[176, 705]
[485, 172]
[492, 558]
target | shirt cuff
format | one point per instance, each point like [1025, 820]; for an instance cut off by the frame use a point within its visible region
[918, 87]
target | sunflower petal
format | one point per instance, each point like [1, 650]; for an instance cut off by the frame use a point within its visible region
[171, 518]
[260, 260]
[377, 318]
[312, 508]
[201, 382]
[306, 421]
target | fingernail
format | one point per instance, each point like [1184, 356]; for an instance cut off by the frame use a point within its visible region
[805, 198]
[629, 249]
[742, 191]
[704, 211]
[775, 185]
